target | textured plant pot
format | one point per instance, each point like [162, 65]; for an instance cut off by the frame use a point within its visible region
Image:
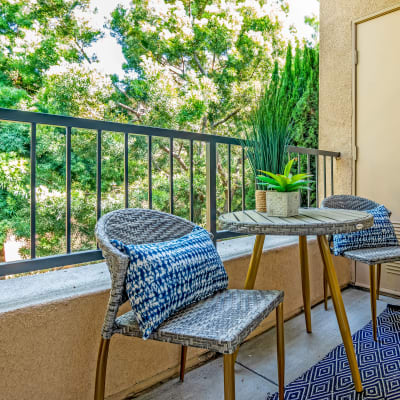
[261, 200]
[283, 204]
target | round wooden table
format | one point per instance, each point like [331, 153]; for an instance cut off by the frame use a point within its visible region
[310, 221]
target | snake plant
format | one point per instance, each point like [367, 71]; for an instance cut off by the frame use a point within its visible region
[286, 182]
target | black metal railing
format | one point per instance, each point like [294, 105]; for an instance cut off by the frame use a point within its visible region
[211, 141]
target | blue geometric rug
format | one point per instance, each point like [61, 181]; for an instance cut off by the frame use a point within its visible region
[379, 364]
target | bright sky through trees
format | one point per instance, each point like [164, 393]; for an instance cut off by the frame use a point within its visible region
[109, 52]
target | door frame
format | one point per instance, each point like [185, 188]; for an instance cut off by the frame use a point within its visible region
[354, 24]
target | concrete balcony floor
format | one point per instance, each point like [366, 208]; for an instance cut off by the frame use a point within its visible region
[255, 370]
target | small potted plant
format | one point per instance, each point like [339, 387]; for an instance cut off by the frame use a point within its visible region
[284, 198]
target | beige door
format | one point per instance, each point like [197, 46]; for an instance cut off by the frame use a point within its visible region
[377, 132]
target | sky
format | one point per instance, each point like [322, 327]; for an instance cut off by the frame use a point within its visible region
[109, 52]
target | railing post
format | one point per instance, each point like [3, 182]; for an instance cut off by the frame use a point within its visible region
[68, 150]
[33, 189]
[98, 174]
[211, 168]
[126, 170]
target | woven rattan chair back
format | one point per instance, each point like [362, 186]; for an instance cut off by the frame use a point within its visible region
[138, 226]
[349, 202]
[131, 226]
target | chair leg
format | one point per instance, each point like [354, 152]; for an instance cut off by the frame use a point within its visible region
[183, 363]
[378, 283]
[325, 291]
[324, 278]
[229, 376]
[101, 369]
[372, 280]
[280, 338]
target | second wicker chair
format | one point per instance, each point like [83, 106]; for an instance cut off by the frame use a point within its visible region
[374, 257]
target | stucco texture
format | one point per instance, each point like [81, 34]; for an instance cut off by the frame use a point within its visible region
[336, 66]
[49, 351]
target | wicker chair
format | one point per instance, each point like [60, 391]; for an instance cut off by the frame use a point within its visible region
[374, 257]
[219, 323]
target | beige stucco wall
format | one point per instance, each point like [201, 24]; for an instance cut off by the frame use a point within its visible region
[49, 351]
[336, 63]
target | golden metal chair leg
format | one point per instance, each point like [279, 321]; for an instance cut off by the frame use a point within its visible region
[229, 377]
[305, 280]
[280, 339]
[101, 369]
[325, 290]
[378, 283]
[340, 313]
[372, 282]
[324, 278]
[183, 363]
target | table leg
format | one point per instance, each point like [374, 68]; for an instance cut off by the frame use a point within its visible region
[253, 269]
[254, 262]
[340, 312]
[305, 280]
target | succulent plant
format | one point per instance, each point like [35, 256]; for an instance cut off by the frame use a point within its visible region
[286, 182]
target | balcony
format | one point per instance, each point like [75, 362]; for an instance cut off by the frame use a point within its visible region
[53, 297]
[56, 306]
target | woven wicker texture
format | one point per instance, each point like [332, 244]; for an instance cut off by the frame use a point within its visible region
[218, 323]
[376, 255]
[261, 200]
[310, 221]
[349, 202]
[371, 256]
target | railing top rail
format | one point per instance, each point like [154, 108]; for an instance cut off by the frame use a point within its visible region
[83, 123]
[315, 152]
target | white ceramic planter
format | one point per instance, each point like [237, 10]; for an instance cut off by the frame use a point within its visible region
[283, 204]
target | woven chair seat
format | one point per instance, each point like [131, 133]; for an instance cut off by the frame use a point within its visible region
[375, 255]
[219, 323]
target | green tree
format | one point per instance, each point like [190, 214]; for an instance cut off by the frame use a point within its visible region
[199, 66]
[196, 65]
[34, 37]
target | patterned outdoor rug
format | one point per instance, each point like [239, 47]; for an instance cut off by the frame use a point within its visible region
[379, 364]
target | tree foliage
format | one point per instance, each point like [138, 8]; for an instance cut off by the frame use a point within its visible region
[196, 65]
[36, 38]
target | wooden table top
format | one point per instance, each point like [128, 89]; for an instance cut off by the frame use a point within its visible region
[310, 221]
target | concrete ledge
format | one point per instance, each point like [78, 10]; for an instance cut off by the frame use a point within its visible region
[60, 285]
